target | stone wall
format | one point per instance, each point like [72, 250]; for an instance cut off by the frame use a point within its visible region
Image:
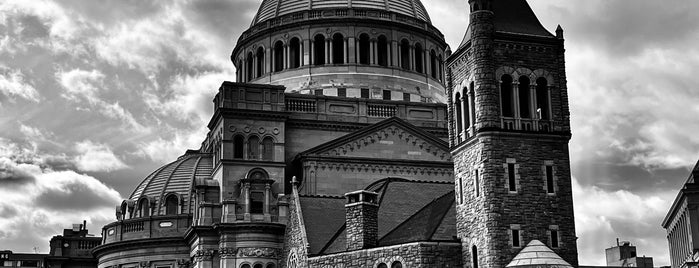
[413, 255]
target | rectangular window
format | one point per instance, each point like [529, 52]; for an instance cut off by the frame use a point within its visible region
[318, 92]
[512, 182]
[387, 95]
[554, 238]
[257, 202]
[515, 238]
[406, 96]
[549, 180]
[461, 191]
[365, 93]
[478, 184]
[342, 92]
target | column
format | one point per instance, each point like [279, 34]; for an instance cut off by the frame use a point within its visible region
[332, 51]
[327, 52]
[412, 58]
[351, 50]
[395, 55]
[272, 60]
[245, 70]
[268, 59]
[372, 52]
[345, 55]
[246, 193]
[313, 53]
[306, 54]
[356, 51]
[268, 194]
[254, 66]
[301, 53]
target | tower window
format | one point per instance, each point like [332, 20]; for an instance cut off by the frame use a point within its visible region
[433, 64]
[524, 98]
[253, 148]
[365, 93]
[419, 59]
[249, 67]
[143, 210]
[364, 47]
[511, 167]
[338, 49]
[260, 61]
[294, 53]
[457, 108]
[549, 180]
[466, 110]
[396, 264]
[382, 265]
[554, 238]
[171, 205]
[387, 95]
[238, 144]
[542, 99]
[477, 181]
[319, 49]
[342, 92]
[382, 50]
[515, 236]
[506, 96]
[278, 56]
[474, 256]
[405, 54]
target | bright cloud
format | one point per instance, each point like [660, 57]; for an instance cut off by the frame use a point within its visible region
[97, 158]
[13, 85]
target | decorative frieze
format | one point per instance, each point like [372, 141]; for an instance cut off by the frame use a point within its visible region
[270, 253]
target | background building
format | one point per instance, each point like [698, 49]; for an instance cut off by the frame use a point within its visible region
[70, 250]
[624, 255]
[682, 224]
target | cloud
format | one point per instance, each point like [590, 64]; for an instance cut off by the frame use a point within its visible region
[167, 150]
[188, 97]
[97, 158]
[13, 85]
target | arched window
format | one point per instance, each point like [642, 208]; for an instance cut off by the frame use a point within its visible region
[253, 148]
[143, 210]
[440, 62]
[294, 53]
[278, 56]
[433, 64]
[239, 71]
[419, 56]
[268, 148]
[396, 264]
[472, 94]
[382, 265]
[171, 205]
[245, 266]
[383, 50]
[405, 54]
[248, 67]
[474, 256]
[542, 98]
[466, 109]
[506, 96]
[524, 98]
[338, 49]
[260, 61]
[270, 265]
[238, 144]
[319, 49]
[364, 47]
[457, 108]
[259, 265]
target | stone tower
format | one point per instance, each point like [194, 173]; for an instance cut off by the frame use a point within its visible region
[509, 134]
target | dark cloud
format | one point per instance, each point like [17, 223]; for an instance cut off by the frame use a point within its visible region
[74, 196]
[224, 18]
[113, 11]
[7, 212]
[12, 176]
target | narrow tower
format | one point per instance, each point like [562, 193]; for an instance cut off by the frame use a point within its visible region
[509, 131]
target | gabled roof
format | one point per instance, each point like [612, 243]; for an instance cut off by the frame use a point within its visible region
[538, 255]
[405, 215]
[358, 139]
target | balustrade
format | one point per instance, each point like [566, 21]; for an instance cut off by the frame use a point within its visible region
[381, 110]
[301, 105]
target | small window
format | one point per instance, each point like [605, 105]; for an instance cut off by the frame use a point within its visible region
[549, 180]
[319, 49]
[515, 238]
[406, 96]
[245, 266]
[143, 210]
[253, 148]
[342, 92]
[270, 265]
[382, 265]
[506, 96]
[171, 205]
[257, 202]
[318, 92]
[511, 179]
[365, 93]
[259, 265]
[387, 95]
[477, 180]
[461, 191]
[338, 50]
[554, 238]
[238, 144]
[474, 256]
[396, 264]
[268, 149]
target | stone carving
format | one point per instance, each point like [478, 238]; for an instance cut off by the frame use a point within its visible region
[204, 255]
[144, 264]
[271, 253]
[183, 263]
[227, 252]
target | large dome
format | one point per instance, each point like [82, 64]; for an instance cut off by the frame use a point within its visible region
[274, 8]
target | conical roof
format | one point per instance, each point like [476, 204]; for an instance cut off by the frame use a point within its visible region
[538, 255]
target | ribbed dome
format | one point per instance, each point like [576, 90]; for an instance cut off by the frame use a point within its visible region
[274, 8]
[176, 177]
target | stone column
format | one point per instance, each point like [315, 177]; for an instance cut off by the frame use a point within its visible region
[395, 56]
[345, 55]
[327, 51]
[357, 52]
[313, 53]
[246, 193]
[351, 50]
[332, 51]
[412, 58]
[372, 52]
[254, 66]
[306, 53]
[268, 199]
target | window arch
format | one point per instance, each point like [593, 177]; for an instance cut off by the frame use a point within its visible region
[433, 64]
[364, 47]
[245, 265]
[319, 49]
[238, 146]
[258, 265]
[474, 256]
[405, 54]
[338, 48]
[419, 59]
[382, 50]
[270, 265]
[542, 98]
[382, 265]
[396, 264]
[249, 67]
[260, 61]
[278, 56]
[171, 203]
[506, 96]
[253, 148]
[457, 108]
[294, 53]
[143, 208]
[268, 148]
[524, 98]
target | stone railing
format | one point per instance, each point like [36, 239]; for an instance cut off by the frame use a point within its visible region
[146, 227]
[381, 110]
[526, 124]
[301, 105]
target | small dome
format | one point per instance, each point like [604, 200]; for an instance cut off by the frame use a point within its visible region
[175, 178]
[274, 8]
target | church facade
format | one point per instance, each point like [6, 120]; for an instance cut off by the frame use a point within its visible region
[354, 137]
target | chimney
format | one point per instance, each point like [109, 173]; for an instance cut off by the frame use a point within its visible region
[361, 217]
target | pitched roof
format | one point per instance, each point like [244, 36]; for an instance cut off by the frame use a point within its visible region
[405, 215]
[538, 255]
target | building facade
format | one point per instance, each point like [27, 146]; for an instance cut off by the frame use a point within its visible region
[349, 141]
[682, 224]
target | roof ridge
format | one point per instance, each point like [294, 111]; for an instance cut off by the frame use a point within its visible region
[321, 196]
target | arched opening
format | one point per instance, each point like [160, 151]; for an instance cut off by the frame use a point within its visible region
[259, 265]
[433, 64]
[253, 148]
[268, 148]
[506, 96]
[338, 49]
[260, 61]
[472, 94]
[397, 264]
[270, 265]
[364, 47]
[382, 265]
[524, 98]
[542, 98]
[405, 54]
[171, 205]
[474, 256]
[278, 56]
[143, 210]
[466, 110]
[319, 49]
[245, 266]
[249, 67]
[239, 71]
[457, 108]
[238, 146]
[383, 50]
[440, 62]
[419, 56]
[294, 53]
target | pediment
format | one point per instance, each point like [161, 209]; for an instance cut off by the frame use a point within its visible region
[391, 139]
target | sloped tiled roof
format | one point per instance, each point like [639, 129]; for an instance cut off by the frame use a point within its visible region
[406, 214]
[538, 255]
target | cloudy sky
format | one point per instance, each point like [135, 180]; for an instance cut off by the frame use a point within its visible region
[96, 94]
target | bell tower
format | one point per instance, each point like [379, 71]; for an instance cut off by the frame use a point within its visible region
[509, 132]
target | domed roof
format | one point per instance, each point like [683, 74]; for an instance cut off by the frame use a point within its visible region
[274, 8]
[176, 177]
[538, 255]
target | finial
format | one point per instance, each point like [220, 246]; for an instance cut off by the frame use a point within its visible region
[559, 32]
[294, 182]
